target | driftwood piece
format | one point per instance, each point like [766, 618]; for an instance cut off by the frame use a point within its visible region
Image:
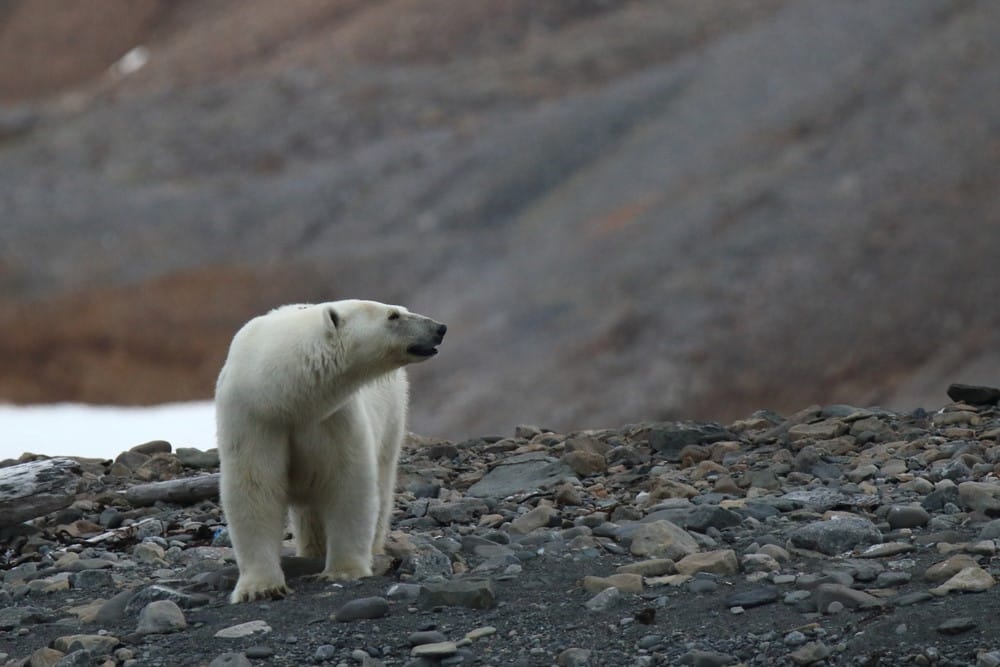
[33, 489]
[181, 491]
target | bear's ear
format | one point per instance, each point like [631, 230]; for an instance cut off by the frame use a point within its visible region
[333, 317]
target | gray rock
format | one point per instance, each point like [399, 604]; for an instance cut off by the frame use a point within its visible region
[980, 497]
[241, 630]
[91, 579]
[15, 617]
[436, 650]
[973, 394]
[956, 626]
[539, 517]
[753, 598]
[426, 637]
[195, 458]
[153, 447]
[159, 592]
[573, 657]
[827, 594]
[231, 660]
[519, 474]
[362, 608]
[835, 536]
[403, 592]
[669, 439]
[699, 658]
[325, 652]
[161, 617]
[662, 539]
[464, 510]
[607, 599]
[472, 593]
[811, 653]
[425, 562]
[991, 531]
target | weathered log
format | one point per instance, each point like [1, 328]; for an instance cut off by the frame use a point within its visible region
[33, 489]
[181, 491]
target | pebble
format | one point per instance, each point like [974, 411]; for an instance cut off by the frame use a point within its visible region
[243, 630]
[160, 617]
[574, 657]
[810, 653]
[435, 650]
[362, 609]
[956, 626]
[231, 660]
[755, 597]
[471, 593]
[605, 600]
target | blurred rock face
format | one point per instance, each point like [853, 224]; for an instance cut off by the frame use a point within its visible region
[626, 211]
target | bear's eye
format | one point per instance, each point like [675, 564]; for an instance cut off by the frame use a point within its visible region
[394, 315]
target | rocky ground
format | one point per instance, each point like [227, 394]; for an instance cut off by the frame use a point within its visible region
[837, 535]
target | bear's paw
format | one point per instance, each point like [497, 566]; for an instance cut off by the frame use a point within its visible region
[248, 591]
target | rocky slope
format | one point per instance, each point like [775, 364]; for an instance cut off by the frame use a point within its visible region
[837, 535]
[622, 210]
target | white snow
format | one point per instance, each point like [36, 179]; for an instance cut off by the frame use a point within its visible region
[100, 431]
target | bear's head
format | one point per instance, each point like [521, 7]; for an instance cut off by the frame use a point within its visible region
[375, 335]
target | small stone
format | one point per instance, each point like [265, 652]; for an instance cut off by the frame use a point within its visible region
[362, 608]
[426, 637]
[403, 592]
[956, 626]
[716, 562]
[91, 579]
[811, 653]
[969, 580]
[539, 517]
[980, 497]
[585, 463]
[43, 657]
[98, 644]
[148, 552]
[605, 600]
[195, 458]
[325, 652]
[824, 430]
[759, 562]
[907, 516]
[243, 630]
[662, 539]
[435, 650]
[755, 597]
[626, 583]
[472, 593]
[836, 535]
[259, 652]
[947, 569]
[153, 447]
[827, 594]
[699, 658]
[161, 617]
[230, 660]
[653, 567]
[573, 657]
[479, 633]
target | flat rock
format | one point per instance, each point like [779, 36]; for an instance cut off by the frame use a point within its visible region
[948, 568]
[652, 567]
[33, 489]
[161, 617]
[827, 594]
[755, 597]
[836, 535]
[980, 497]
[722, 562]
[99, 644]
[243, 630]
[956, 626]
[435, 650]
[625, 582]
[699, 658]
[521, 474]
[969, 580]
[362, 608]
[662, 539]
[471, 593]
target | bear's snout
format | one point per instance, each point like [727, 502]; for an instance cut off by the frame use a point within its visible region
[441, 330]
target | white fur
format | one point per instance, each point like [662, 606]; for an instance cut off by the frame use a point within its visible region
[311, 412]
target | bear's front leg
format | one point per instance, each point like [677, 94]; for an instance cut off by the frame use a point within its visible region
[350, 520]
[254, 496]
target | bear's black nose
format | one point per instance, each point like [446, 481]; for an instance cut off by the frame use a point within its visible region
[441, 331]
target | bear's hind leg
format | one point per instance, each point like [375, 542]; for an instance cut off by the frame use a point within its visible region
[310, 536]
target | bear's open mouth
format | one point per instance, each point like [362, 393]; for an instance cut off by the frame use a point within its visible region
[422, 350]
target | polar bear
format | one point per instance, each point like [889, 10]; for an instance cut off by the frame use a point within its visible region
[310, 408]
